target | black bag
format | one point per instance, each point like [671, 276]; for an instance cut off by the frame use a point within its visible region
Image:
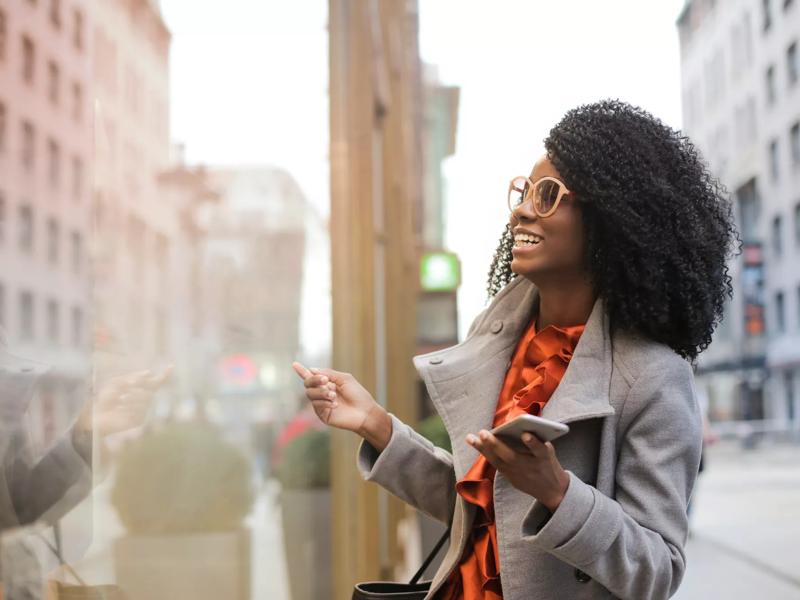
[413, 590]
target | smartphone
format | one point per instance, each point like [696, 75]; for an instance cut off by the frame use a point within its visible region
[545, 429]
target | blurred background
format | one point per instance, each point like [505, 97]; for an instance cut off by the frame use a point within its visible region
[226, 187]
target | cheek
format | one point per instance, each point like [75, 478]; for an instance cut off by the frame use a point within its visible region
[568, 241]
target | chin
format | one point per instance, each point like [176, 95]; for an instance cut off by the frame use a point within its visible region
[525, 270]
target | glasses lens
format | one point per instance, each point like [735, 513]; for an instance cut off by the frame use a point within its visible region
[517, 192]
[545, 195]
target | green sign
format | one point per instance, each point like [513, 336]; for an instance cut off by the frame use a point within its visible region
[439, 272]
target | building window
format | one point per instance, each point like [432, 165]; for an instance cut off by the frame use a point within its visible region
[52, 321]
[53, 235]
[28, 60]
[747, 24]
[798, 304]
[77, 177]
[766, 6]
[788, 383]
[77, 251]
[54, 162]
[777, 238]
[748, 204]
[28, 145]
[3, 33]
[53, 81]
[55, 13]
[794, 142]
[774, 160]
[77, 101]
[780, 316]
[26, 230]
[797, 224]
[27, 316]
[77, 327]
[770, 82]
[77, 29]
[3, 126]
[791, 64]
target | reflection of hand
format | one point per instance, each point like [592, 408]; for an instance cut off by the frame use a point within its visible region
[122, 403]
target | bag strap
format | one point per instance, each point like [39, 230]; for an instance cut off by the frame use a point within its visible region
[431, 556]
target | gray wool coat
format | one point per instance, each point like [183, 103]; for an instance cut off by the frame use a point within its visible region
[632, 455]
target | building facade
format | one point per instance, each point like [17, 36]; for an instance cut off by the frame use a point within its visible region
[741, 105]
[135, 231]
[45, 153]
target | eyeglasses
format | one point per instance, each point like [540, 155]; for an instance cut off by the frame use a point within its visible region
[546, 194]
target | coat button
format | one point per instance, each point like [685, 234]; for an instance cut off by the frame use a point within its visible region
[581, 576]
[496, 326]
[436, 360]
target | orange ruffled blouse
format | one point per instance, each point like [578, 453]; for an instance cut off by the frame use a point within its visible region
[538, 364]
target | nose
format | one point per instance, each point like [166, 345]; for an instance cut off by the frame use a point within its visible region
[524, 213]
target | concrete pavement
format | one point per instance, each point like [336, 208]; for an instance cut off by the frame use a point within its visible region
[745, 525]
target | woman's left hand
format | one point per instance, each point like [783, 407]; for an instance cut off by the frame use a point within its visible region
[536, 471]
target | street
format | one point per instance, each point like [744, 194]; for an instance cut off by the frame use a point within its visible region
[745, 525]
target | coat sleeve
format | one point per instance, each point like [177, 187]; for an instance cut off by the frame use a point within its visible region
[634, 544]
[413, 469]
[47, 488]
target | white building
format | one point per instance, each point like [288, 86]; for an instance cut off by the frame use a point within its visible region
[741, 103]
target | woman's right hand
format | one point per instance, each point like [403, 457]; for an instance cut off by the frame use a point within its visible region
[338, 398]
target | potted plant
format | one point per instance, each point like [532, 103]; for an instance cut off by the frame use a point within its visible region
[304, 474]
[182, 493]
[433, 429]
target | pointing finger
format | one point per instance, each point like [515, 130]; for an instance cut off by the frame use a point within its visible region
[152, 381]
[301, 370]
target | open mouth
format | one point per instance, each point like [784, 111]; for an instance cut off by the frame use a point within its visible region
[526, 240]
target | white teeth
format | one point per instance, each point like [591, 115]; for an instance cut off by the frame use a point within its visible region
[526, 239]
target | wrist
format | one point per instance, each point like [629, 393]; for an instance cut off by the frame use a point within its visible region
[377, 427]
[553, 504]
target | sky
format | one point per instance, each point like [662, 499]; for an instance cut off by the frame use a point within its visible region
[249, 86]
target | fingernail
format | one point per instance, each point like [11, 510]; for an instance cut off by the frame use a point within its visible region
[324, 380]
[527, 437]
[331, 395]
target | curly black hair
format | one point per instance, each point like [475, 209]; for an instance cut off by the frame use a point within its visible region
[659, 226]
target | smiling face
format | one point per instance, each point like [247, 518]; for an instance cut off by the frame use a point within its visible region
[558, 252]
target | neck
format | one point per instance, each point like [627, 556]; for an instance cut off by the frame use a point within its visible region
[564, 305]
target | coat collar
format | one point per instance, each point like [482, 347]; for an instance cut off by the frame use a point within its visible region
[474, 370]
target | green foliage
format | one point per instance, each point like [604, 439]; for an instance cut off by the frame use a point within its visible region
[306, 461]
[184, 478]
[433, 429]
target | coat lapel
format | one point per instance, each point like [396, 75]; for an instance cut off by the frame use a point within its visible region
[464, 381]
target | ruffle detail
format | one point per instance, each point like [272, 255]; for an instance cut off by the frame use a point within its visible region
[539, 363]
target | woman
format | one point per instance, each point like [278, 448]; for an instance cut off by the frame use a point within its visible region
[608, 280]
